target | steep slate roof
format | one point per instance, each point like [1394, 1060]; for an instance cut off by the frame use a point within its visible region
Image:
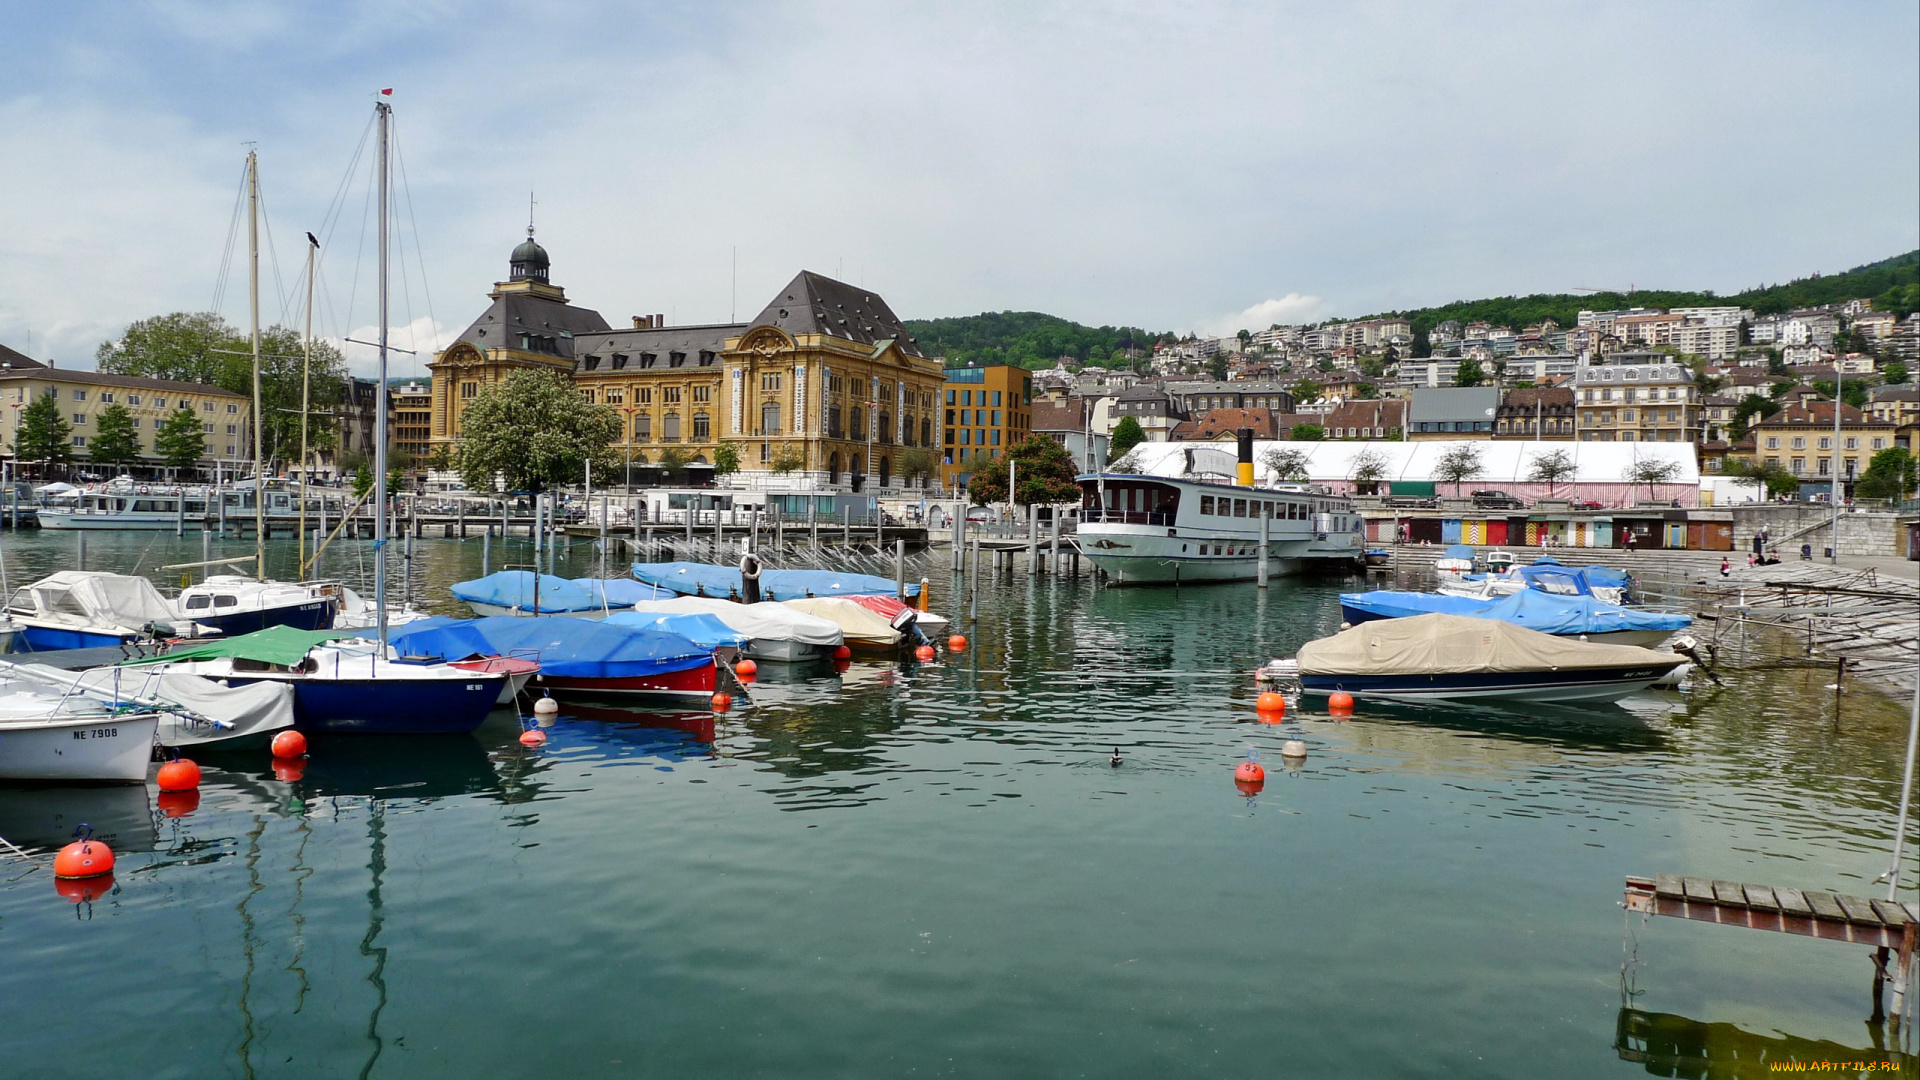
[815, 304]
[511, 314]
[17, 359]
[100, 378]
[1068, 415]
[661, 341]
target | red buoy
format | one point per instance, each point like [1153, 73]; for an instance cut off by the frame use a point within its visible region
[722, 701]
[84, 858]
[1271, 701]
[178, 775]
[532, 737]
[1249, 788]
[83, 890]
[841, 652]
[1340, 701]
[289, 770]
[958, 642]
[179, 803]
[841, 665]
[923, 654]
[289, 744]
[746, 669]
[1250, 772]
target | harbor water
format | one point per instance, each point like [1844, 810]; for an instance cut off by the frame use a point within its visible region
[937, 870]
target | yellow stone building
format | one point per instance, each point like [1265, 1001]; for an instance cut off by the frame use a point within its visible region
[225, 417]
[825, 382]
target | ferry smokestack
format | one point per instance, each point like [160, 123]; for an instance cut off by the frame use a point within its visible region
[1245, 437]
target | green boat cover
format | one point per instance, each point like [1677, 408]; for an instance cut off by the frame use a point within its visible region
[282, 645]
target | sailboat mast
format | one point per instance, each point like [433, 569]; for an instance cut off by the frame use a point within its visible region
[380, 403]
[259, 418]
[306, 388]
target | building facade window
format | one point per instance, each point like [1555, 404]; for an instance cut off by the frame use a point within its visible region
[702, 427]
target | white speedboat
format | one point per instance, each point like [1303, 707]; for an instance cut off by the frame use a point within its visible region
[83, 609]
[230, 604]
[193, 712]
[47, 735]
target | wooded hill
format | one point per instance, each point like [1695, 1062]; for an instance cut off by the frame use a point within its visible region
[1031, 339]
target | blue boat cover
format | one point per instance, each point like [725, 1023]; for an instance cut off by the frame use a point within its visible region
[1535, 610]
[566, 648]
[1460, 551]
[705, 579]
[1548, 575]
[514, 589]
[619, 592]
[704, 630]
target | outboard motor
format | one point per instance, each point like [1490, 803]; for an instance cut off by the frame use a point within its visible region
[907, 622]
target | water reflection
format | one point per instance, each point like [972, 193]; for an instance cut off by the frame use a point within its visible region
[45, 816]
[1670, 1045]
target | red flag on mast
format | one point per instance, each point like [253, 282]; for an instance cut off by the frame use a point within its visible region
[388, 92]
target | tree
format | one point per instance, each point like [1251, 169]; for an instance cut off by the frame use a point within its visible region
[1244, 336]
[788, 459]
[1890, 475]
[1369, 468]
[1307, 390]
[674, 459]
[918, 462]
[1551, 469]
[1779, 390]
[201, 347]
[1217, 367]
[1044, 472]
[1126, 435]
[441, 459]
[1651, 471]
[114, 441]
[1765, 478]
[1307, 433]
[43, 434]
[726, 459]
[1366, 391]
[1893, 371]
[533, 429]
[1287, 464]
[1470, 373]
[1460, 463]
[1750, 406]
[181, 441]
[1853, 393]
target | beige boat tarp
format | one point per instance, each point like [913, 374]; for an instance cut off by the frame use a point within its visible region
[1447, 644]
[856, 622]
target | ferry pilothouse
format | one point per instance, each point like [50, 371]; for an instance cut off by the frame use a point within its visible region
[1148, 529]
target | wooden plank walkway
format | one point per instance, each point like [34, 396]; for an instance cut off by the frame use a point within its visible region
[1806, 913]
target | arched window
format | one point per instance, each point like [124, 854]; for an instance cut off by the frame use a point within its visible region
[770, 418]
[883, 431]
[926, 431]
[702, 427]
[886, 470]
[833, 467]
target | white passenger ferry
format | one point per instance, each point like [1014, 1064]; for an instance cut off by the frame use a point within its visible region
[1153, 530]
[124, 504]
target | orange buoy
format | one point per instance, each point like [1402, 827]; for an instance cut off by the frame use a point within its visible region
[178, 775]
[841, 652]
[1250, 772]
[957, 642]
[179, 803]
[289, 744]
[289, 770]
[84, 858]
[532, 737]
[83, 890]
[1249, 788]
[746, 669]
[1340, 701]
[923, 654]
[841, 665]
[722, 701]
[1271, 701]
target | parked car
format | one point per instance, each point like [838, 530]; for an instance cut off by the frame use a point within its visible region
[1587, 504]
[1497, 500]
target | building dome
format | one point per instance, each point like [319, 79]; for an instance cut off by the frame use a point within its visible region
[529, 261]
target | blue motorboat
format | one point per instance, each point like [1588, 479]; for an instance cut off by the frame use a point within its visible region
[1549, 613]
[518, 592]
[706, 579]
[701, 628]
[576, 656]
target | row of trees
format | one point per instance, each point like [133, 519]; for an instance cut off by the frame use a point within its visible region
[44, 435]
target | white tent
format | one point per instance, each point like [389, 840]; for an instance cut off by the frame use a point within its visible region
[1601, 470]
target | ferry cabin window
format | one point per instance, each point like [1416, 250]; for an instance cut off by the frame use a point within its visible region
[1206, 504]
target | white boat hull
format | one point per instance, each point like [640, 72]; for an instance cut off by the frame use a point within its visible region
[81, 748]
[785, 650]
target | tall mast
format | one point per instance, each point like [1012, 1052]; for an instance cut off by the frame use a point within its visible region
[385, 112]
[306, 387]
[259, 418]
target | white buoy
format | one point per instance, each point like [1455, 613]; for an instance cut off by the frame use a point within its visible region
[1293, 748]
[546, 706]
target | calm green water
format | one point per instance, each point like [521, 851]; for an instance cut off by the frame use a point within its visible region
[934, 870]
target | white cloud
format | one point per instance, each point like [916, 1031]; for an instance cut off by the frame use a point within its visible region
[1285, 311]
[423, 337]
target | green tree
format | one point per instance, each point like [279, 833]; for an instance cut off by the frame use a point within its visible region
[1550, 469]
[1651, 471]
[1470, 373]
[1459, 464]
[1779, 390]
[1245, 336]
[918, 462]
[1366, 391]
[363, 480]
[1853, 391]
[114, 442]
[1288, 464]
[1044, 474]
[1890, 475]
[201, 347]
[1307, 390]
[534, 429]
[788, 459]
[1893, 371]
[726, 459]
[1217, 367]
[181, 441]
[1369, 468]
[674, 459]
[1126, 435]
[1765, 478]
[1750, 406]
[1307, 433]
[43, 434]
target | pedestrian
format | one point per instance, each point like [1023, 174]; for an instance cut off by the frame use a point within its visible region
[1726, 567]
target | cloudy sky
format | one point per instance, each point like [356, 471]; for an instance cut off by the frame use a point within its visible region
[1180, 165]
